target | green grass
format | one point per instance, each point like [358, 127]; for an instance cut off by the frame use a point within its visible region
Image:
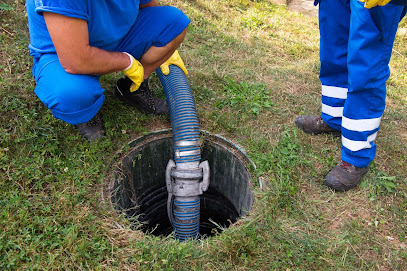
[253, 67]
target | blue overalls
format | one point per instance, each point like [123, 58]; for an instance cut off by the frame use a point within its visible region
[355, 50]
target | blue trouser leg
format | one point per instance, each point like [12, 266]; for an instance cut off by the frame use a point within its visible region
[334, 21]
[155, 26]
[356, 45]
[371, 38]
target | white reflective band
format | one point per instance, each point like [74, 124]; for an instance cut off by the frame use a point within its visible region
[334, 92]
[361, 125]
[354, 145]
[332, 111]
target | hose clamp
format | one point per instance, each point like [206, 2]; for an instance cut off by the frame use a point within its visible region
[179, 154]
[185, 183]
[186, 143]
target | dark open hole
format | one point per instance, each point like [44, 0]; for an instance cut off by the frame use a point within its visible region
[137, 184]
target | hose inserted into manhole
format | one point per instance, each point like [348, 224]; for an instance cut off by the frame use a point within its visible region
[186, 176]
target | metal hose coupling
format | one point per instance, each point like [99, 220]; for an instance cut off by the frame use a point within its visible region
[184, 187]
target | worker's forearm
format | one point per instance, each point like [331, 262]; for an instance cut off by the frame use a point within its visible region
[96, 61]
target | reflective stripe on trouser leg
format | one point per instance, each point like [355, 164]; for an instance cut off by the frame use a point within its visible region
[334, 21]
[371, 39]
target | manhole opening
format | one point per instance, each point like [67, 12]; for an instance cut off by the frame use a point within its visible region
[137, 184]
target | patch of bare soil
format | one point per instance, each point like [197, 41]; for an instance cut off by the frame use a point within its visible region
[304, 6]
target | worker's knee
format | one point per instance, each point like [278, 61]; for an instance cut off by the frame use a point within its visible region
[71, 97]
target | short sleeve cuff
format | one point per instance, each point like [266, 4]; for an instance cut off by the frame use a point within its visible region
[62, 11]
[142, 2]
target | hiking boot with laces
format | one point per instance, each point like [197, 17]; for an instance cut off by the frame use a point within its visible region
[315, 125]
[92, 129]
[143, 98]
[345, 176]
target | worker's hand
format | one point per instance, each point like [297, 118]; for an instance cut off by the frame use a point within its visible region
[135, 72]
[373, 3]
[176, 60]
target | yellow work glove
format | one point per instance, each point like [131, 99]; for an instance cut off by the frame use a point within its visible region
[373, 3]
[176, 60]
[135, 72]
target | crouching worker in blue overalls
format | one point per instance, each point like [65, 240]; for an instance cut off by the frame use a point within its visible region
[74, 42]
[356, 41]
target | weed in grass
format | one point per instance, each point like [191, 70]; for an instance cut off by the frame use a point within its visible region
[386, 182]
[382, 183]
[245, 97]
[280, 159]
[5, 7]
[279, 163]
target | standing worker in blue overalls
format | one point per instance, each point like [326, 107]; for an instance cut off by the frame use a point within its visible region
[73, 42]
[356, 41]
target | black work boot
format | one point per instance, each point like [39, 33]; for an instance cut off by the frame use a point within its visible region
[315, 125]
[345, 176]
[92, 129]
[143, 98]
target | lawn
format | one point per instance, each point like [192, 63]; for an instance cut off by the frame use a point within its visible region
[253, 68]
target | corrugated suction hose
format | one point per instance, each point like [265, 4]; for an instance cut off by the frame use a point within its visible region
[186, 176]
